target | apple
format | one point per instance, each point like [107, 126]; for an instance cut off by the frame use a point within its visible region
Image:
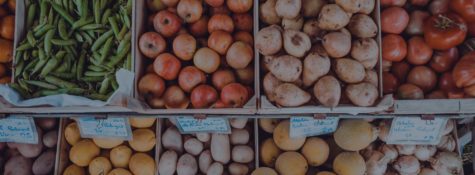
[190, 10]
[167, 66]
[170, 3]
[155, 5]
[222, 78]
[175, 98]
[190, 77]
[219, 104]
[215, 3]
[246, 75]
[234, 95]
[167, 23]
[200, 27]
[203, 96]
[184, 46]
[151, 44]
[151, 85]
[156, 103]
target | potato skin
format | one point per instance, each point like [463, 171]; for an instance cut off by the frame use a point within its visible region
[349, 70]
[332, 17]
[220, 148]
[362, 94]
[167, 163]
[288, 8]
[44, 164]
[362, 26]
[186, 165]
[50, 139]
[328, 91]
[337, 44]
[269, 84]
[271, 34]
[286, 68]
[204, 161]
[238, 169]
[296, 43]
[290, 95]
[314, 67]
[18, 165]
[366, 51]
[171, 139]
[242, 154]
[239, 136]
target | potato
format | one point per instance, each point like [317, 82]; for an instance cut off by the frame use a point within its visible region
[371, 77]
[193, 146]
[47, 123]
[142, 164]
[327, 90]
[72, 134]
[349, 70]
[50, 139]
[167, 163]
[238, 169]
[215, 169]
[83, 152]
[239, 136]
[271, 34]
[142, 122]
[204, 161]
[270, 82]
[296, 43]
[187, 165]
[314, 67]
[311, 8]
[171, 139]
[362, 26]
[107, 143]
[238, 123]
[350, 6]
[310, 27]
[267, 13]
[286, 68]
[362, 94]
[332, 17]
[120, 156]
[99, 166]
[119, 171]
[367, 6]
[292, 24]
[269, 152]
[203, 137]
[18, 165]
[266, 61]
[30, 150]
[288, 8]
[366, 51]
[74, 170]
[337, 44]
[220, 148]
[242, 154]
[290, 95]
[44, 164]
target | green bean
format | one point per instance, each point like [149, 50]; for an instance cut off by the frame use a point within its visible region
[26, 56]
[105, 50]
[114, 84]
[50, 19]
[31, 14]
[124, 42]
[96, 11]
[81, 22]
[78, 37]
[23, 84]
[114, 26]
[24, 46]
[32, 64]
[41, 54]
[50, 92]
[105, 86]
[62, 29]
[60, 42]
[128, 7]
[34, 53]
[76, 91]
[18, 57]
[92, 27]
[62, 67]
[128, 62]
[41, 84]
[63, 75]
[92, 79]
[24, 93]
[80, 67]
[63, 13]
[25, 75]
[43, 9]
[39, 65]
[30, 38]
[96, 68]
[52, 63]
[118, 58]
[105, 16]
[122, 32]
[48, 37]
[19, 67]
[84, 8]
[40, 32]
[101, 40]
[95, 74]
[59, 82]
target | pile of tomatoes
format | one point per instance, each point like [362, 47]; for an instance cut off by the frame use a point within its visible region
[7, 30]
[199, 54]
[422, 48]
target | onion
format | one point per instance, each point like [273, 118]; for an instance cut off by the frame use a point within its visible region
[425, 152]
[384, 127]
[449, 127]
[428, 171]
[447, 163]
[377, 164]
[407, 165]
[389, 151]
[447, 143]
[406, 149]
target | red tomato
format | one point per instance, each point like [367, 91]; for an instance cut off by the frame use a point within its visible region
[390, 83]
[418, 52]
[471, 28]
[394, 48]
[394, 20]
[386, 3]
[400, 70]
[445, 31]
[446, 83]
[465, 8]
[443, 61]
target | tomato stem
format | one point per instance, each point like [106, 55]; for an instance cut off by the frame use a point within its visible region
[444, 22]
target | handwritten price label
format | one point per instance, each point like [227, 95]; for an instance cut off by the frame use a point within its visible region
[415, 131]
[208, 125]
[112, 127]
[308, 126]
[18, 129]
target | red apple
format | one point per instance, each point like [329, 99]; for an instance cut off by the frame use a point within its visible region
[151, 85]
[203, 96]
[151, 44]
[167, 23]
[222, 78]
[167, 66]
[234, 95]
[200, 27]
[190, 77]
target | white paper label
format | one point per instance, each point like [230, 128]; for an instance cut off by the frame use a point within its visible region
[415, 131]
[18, 129]
[111, 127]
[208, 125]
[308, 126]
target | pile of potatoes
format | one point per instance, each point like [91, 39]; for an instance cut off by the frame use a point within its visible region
[113, 156]
[208, 153]
[32, 159]
[320, 48]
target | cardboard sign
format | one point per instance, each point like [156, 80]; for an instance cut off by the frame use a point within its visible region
[111, 127]
[208, 125]
[308, 126]
[18, 129]
[415, 131]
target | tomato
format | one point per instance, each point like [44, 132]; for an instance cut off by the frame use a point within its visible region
[446, 83]
[423, 77]
[443, 61]
[445, 31]
[471, 28]
[394, 20]
[418, 52]
[394, 48]
[399, 3]
[465, 8]
[400, 70]
[437, 95]
[419, 2]
[390, 83]
[409, 91]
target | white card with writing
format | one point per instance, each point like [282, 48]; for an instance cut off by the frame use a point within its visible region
[18, 129]
[111, 127]
[207, 125]
[415, 131]
[308, 126]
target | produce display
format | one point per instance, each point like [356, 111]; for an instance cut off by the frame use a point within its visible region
[101, 156]
[198, 54]
[29, 159]
[73, 47]
[321, 53]
[208, 153]
[7, 30]
[347, 152]
[427, 49]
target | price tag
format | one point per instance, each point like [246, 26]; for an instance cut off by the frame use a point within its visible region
[415, 131]
[18, 129]
[111, 127]
[208, 125]
[308, 126]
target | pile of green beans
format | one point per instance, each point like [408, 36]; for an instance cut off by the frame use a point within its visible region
[73, 47]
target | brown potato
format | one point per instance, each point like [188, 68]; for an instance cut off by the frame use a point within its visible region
[270, 82]
[286, 68]
[349, 70]
[271, 34]
[267, 12]
[290, 95]
[337, 44]
[363, 26]
[367, 6]
[366, 51]
[362, 94]
[350, 6]
[371, 77]
[327, 90]
[333, 17]
[314, 67]
[294, 24]
[311, 8]
[288, 8]
[296, 43]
